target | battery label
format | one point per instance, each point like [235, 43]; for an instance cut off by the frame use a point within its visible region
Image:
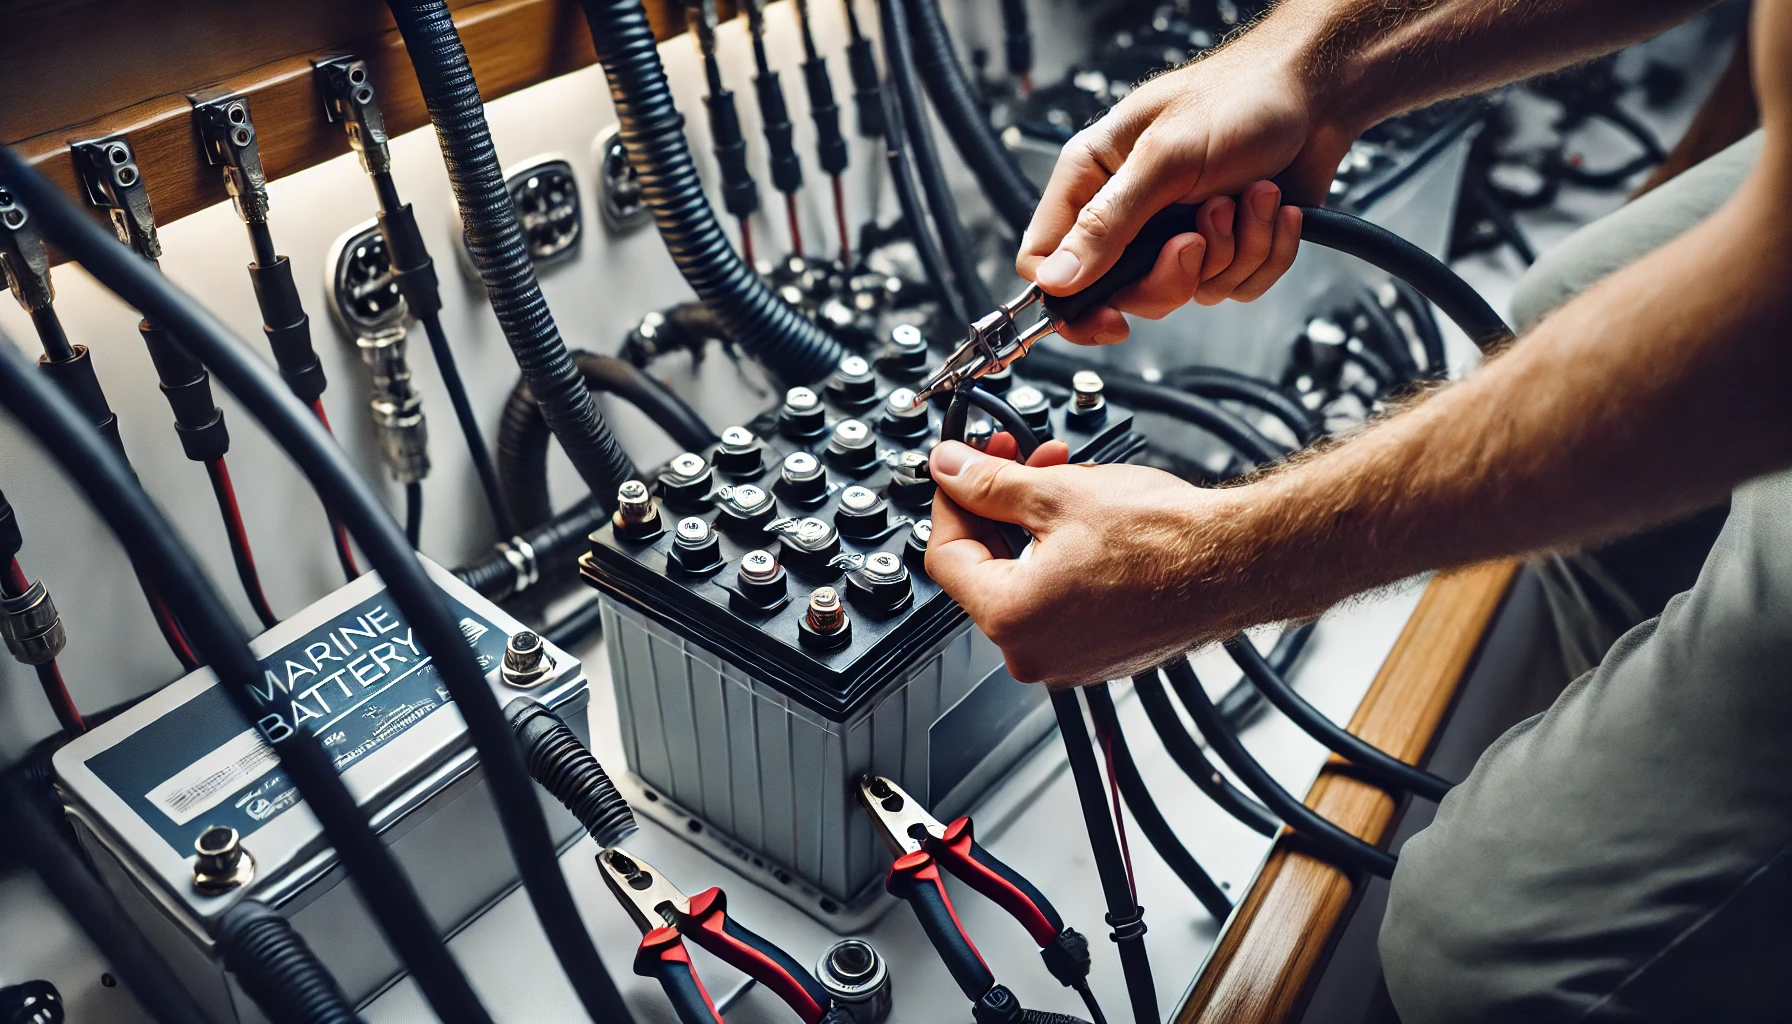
[356, 683]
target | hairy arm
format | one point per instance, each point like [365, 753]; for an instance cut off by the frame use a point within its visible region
[1648, 396]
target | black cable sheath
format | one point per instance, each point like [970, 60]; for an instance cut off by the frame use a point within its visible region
[1389, 339]
[502, 518]
[1437, 364]
[914, 213]
[652, 132]
[1145, 810]
[1009, 190]
[413, 512]
[1010, 419]
[1187, 754]
[523, 436]
[960, 254]
[1309, 824]
[278, 969]
[263, 394]
[495, 241]
[114, 492]
[1124, 914]
[36, 834]
[1374, 762]
[1241, 705]
[1216, 382]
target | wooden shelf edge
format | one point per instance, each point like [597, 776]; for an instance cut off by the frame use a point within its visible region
[1259, 971]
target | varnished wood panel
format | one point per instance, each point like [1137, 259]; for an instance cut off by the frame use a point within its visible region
[1278, 937]
[156, 54]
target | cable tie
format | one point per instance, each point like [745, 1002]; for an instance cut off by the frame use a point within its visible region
[1127, 927]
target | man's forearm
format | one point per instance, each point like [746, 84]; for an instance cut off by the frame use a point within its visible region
[1649, 396]
[1370, 59]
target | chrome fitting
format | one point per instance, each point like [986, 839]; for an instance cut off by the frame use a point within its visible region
[349, 98]
[637, 515]
[23, 258]
[396, 406]
[31, 626]
[826, 613]
[527, 663]
[227, 137]
[221, 863]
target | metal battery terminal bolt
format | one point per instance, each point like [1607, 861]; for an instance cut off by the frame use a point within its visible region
[527, 663]
[911, 482]
[863, 515]
[744, 509]
[1088, 408]
[802, 418]
[809, 545]
[227, 137]
[761, 583]
[914, 551]
[825, 626]
[695, 548]
[686, 481]
[853, 384]
[220, 863]
[802, 480]
[907, 354]
[1033, 407]
[904, 417]
[637, 515]
[851, 447]
[858, 979]
[31, 626]
[740, 454]
[882, 585]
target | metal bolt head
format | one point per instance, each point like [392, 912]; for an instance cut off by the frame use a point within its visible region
[858, 499]
[854, 366]
[526, 660]
[688, 465]
[826, 614]
[907, 338]
[901, 402]
[922, 531]
[1026, 399]
[882, 565]
[811, 530]
[851, 433]
[758, 567]
[691, 530]
[1088, 387]
[221, 864]
[914, 461]
[801, 399]
[737, 438]
[800, 466]
[747, 498]
[632, 497]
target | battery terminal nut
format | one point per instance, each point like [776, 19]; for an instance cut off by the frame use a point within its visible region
[740, 454]
[852, 448]
[863, 515]
[1033, 407]
[853, 384]
[911, 482]
[527, 663]
[907, 354]
[221, 863]
[762, 585]
[695, 548]
[825, 626]
[32, 626]
[881, 585]
[904, 417]
[802, 418]
[810, 544]
[744, 508]
[915, 550]
[686, 481]
[1088, 407]
[637, 515]
[802, 479]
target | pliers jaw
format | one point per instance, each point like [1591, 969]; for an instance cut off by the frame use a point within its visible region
[651, 901]
[993, 342]
[900, 820]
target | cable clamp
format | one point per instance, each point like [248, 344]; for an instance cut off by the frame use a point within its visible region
[521, 556]
[31, 626]
[1129, 927]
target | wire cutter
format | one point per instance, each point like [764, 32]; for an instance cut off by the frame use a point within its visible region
[667, 917]
[995, 341]
[922, 846]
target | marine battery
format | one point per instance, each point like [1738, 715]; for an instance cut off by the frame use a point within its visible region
[773, 635]
[143, 788]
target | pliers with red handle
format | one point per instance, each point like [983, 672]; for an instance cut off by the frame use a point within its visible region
[922, 846]
[667, 916]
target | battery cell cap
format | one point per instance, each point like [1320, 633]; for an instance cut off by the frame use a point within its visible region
[809, 544]
[852, 448]
[744, 508]
[882, 585]
[802, 479]
[802, 417]
[686, 480]
[695, 548]
[761, 583]
[853, 384]
[740, 453]
[863, 514]
[915, 549]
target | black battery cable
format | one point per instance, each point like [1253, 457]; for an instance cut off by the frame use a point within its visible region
[867, 88]
[774, 120]
[276, 966]
[325, 465]
[1187, 754]
[791, 346]
[31, 625]
[1241, 705]
[914, 214]
[830, 145]
[115, 493]
[1218, 383]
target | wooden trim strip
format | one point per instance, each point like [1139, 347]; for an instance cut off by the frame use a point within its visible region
[1261, 969]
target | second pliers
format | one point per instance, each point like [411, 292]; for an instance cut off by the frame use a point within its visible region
[667, 917]
[922, 845]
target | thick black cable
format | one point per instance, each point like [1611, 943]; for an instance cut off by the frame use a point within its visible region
[1145, 810]
[1309, 824]
[114, 492]
[502, 518]
[1389, 339]
[1124, 915]
[543, 553]
[914, 213]
[495, 241]
[961, 255]
[523, 436]
[36, 834]
[954, 96]
[652, 132]
[1219, 383]
[1372, 760]
[413, 512]
[1009, 418]
[1437, 364]
[276, 966]
[1241, 705]
[1187, 754]
[263, 394]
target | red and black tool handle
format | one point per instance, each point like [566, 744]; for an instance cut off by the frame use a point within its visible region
[1135, 261]
[662, 956]
[915, 878]
[958, 852]
[709, 926]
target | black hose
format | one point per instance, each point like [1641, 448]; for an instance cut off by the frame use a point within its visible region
[1010, 419]
[35, 833]
[413, 512]
[545, 552]
[1322, 833]
[502, 517]
[1219, 383]
[652, 130]
[115, 493]
[1241, 705]
[1131, 389]
[262, 393]
[960, 254]
[1010, 191]
[914, 215]
[495, 241]
[523, 434]
[1187, 754]
[1145, 810]
[278, 969]
[1375, 762]
[1124, 915]
[564, 767]
[1388, 338]
[1437, 364]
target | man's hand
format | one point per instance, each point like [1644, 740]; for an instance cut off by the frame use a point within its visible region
[1105, 590]
[1209, 133]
